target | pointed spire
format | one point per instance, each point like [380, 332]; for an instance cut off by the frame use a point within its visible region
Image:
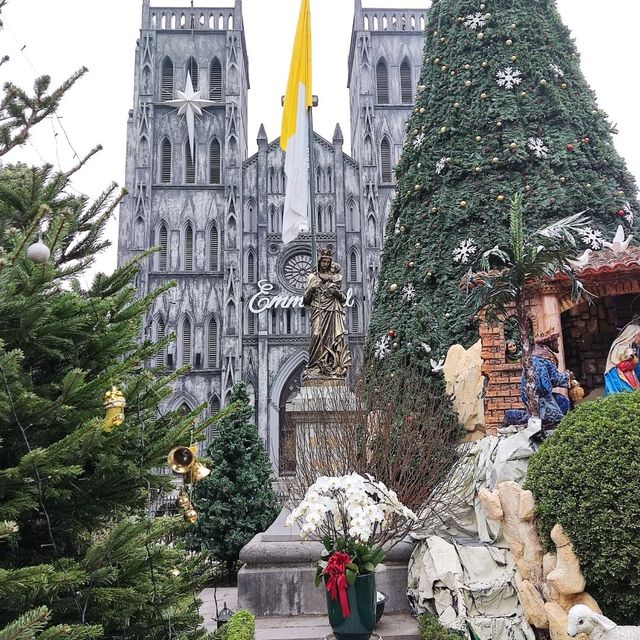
[146, 14]
[262, 135]
[237, 17]
[357, 13]
[338, 138]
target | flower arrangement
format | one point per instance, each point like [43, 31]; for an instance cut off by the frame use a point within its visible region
[357, 518]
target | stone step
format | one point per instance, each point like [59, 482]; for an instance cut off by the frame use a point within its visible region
[392, 627]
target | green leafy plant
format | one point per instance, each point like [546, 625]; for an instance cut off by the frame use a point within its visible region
[364, 558]
[242, 626]
[429, 628]
[587, 478]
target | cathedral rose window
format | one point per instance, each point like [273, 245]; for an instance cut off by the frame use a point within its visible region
[297, 269]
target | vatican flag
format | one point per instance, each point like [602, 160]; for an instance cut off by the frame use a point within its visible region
[294, 139]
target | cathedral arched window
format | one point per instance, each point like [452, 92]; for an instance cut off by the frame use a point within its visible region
[355, 318]
[214, 408]
[213, 343]
[368, 150]
[371, 230]
[329, 180]
[406, 82]
[193, 71]
[329, 224]
[353, 216]
[166, 83]
[215, 81]
[163, 255]
[386, 169]
[161, 356]
[165, 161]
[188, 247]
[271, 180]
[320, 220]
[251, 323]
[251, 267]
[382, 82]
[185, 342]
[189, 164]
[273, 219]
[231, 319]
[353, 266]
[138, 233]
[214, 248]
[215, 163]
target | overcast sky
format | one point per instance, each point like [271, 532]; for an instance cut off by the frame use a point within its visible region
[58, 36]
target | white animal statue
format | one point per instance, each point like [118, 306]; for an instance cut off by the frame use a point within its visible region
[596, 626]
[619, 244]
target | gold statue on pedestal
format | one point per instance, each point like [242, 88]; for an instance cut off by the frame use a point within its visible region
[329, 356]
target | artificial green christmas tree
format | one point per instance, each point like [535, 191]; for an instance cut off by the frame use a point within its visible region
[79, 556]
[502, 108]
[236, 501]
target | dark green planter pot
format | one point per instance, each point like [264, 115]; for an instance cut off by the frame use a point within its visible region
[362, 602]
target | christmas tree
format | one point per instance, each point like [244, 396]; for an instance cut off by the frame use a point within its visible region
[79, 556]
[502, 108]
[236, 501]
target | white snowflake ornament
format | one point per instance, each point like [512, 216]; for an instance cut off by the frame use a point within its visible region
[382, 348]
[509, 77]
[418, 141]
[464, 251]
[408, 292]
[539, 148]
[592, 238]
[556, 70]
[628, 214]
[441, 165]
[475, 20]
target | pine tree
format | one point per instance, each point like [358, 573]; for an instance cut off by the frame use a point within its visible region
[79, 558]
[236, 501]
[502, 108]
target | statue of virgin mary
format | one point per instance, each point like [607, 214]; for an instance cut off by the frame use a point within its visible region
[623, 364]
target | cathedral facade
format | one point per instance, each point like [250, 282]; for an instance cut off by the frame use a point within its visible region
[216, 213]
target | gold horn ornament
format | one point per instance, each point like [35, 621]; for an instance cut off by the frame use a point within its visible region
[114, 403]
[182, 459]
[197, 472]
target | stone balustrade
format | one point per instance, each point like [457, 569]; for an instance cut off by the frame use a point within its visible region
[392, 20]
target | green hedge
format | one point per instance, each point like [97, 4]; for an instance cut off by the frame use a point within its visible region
[431, 629]
[242, 626]
[587, 478]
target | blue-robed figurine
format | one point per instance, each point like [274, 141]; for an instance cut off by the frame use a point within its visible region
[623, 364]
[552, 406]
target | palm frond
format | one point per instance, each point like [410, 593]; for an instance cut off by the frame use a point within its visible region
[566, 228]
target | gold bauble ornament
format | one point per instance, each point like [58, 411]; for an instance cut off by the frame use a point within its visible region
[564, 85]
[183, 503]
[483, 96]
[467, 83]
[478, 138]
[495, 160]
[443, 130]
[524, 94]
[412, 264]
[480, 36]
[514, 58]
[174, 573]
[191, 516]
[467, 67]
[463, 204]
[422, 109]
[456, 105]
[500, 198]
[513, 146]
[485, 64]
[393, 288]
[436, 61]
[114, 403]
[509, 42]
[434, 210]
[543, 83]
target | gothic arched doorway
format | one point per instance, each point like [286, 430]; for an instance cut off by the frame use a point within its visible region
[287, 441]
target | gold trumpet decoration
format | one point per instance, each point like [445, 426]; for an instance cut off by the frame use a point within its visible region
[184, 461]
[114, 403]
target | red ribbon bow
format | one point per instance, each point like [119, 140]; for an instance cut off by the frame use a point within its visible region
[337, 584]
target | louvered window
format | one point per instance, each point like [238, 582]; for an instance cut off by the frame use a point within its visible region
[215, 163]
[273, 221]
[251, 323]
[161, 357]
[251, 267]
[385, 161]
[189, 164]
[192, 69]
[186, 342]
[188, 248]
[406, 82]
[382, 82]
[355, 319]
[320, 220]
[215, 81]
[167, 79]
[353, 266]
[329, 222]
[165, 162]
[212, 354]
[164, 248]
[214, 248]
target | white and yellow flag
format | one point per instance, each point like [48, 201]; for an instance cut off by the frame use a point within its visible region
[295, 131]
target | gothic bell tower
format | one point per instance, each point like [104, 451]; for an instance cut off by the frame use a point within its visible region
[186, 143]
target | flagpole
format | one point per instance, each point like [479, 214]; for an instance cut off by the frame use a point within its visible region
[312, 186]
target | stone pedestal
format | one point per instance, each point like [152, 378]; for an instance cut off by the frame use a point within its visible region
[278, 575]
[279, 570]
